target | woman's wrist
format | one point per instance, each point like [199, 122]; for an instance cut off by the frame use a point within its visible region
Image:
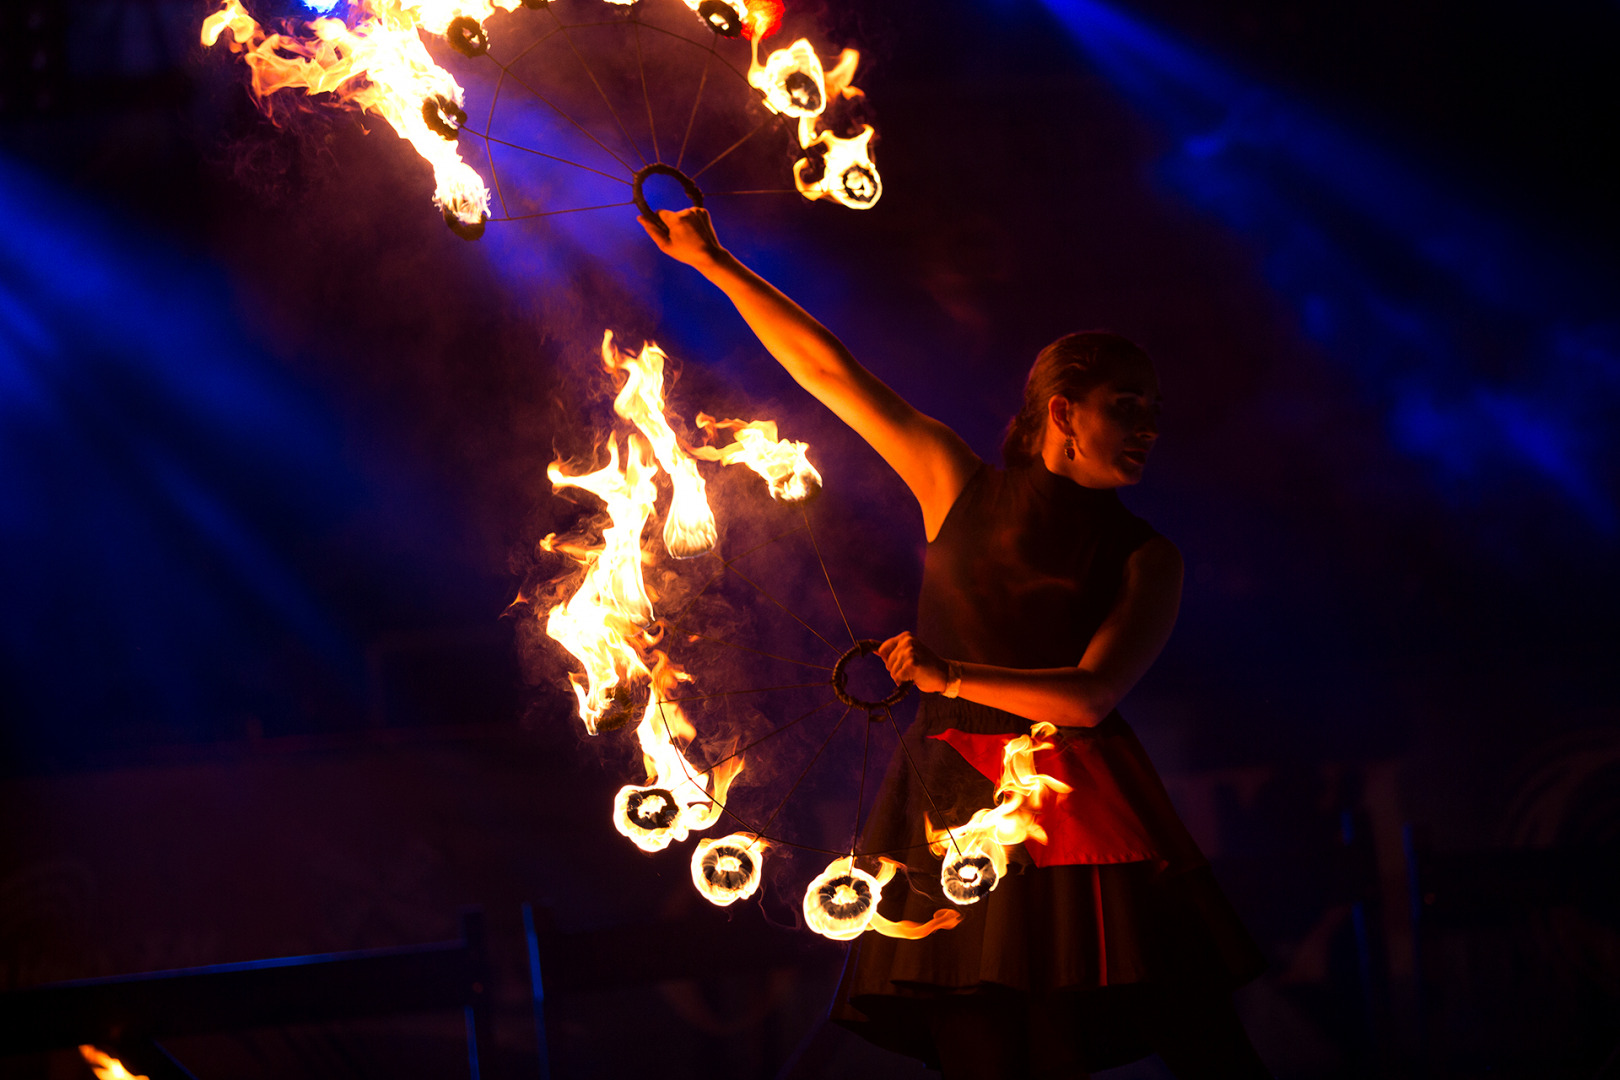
[716, 263]
[953, 679]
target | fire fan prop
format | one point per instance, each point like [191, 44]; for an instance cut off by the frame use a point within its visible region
[608, 92]
[621, 633]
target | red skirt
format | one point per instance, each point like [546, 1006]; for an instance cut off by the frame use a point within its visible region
[1078, 930]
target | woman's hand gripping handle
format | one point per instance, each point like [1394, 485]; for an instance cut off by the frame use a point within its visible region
[910, 660]
[686, 236]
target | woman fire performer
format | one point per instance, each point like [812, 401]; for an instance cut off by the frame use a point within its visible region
[1043, 601]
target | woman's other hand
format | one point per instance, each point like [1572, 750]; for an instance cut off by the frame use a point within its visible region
[909, 659]
[684, 235]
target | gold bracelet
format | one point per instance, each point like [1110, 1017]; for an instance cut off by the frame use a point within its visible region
[953, 679]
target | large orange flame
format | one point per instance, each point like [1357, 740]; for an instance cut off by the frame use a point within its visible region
[677, 799]
[375, 60]
[842, 902]
[794, 83]
[975, 854]
[781, 463]
[603, 623]
[689, 528]
[105, 1066]
[379, 65]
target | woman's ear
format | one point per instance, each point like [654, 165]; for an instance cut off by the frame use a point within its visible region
[1057, 410]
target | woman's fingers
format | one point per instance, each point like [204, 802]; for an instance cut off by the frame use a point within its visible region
[897, 654]
[889, 646]
[659, 234]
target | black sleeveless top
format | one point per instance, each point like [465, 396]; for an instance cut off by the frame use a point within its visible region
[1025, 568]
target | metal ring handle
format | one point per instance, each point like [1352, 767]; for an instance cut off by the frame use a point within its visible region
[658, 168]
[840, 677]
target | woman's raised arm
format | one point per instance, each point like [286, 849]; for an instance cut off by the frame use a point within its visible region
[932, 459]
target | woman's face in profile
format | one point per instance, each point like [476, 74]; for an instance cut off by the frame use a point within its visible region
[1115, 426]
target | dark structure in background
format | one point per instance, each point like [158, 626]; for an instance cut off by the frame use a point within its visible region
[272, 448]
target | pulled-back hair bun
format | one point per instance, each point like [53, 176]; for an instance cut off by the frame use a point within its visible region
[1069, 367]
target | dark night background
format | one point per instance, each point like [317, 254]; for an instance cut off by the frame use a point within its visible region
[272, 467]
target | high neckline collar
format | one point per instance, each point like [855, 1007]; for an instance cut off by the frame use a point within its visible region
[1060, 489]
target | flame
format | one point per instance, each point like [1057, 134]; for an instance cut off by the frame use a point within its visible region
[689, 528]
[978, 849]
[943, 919]
[605, 619]
[728, 869]
[846, 175]
[379, 65]
[791, 79]
[375, 60]
[794, 83]
[751, 18]
[780, 462]
[105, 1066]
[841, 904]
[676, 800]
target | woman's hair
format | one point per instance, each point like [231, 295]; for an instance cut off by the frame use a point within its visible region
[1069, 367]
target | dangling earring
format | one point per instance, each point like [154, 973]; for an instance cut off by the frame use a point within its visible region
[1068, 448]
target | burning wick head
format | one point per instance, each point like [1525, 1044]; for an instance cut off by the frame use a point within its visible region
[465, 221]
[968, 878]
[841, 903]
[648, 816]
[792, 80]
[728, 869]
[466, 35]
[444, 116]
[651, 809]
[721, 17]
[804, 91]
[860, 185]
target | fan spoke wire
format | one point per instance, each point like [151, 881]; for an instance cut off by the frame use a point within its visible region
[742, 76]
[815, 758]
[950, 834]
[763, 124]
[836, 602]
[702, 82]
[770, 735]
[603, 93]
[489, 152]
[738, 693]
[554, 107]
[760, 831]
[641, 69]
[720, 573]
[549, 157]
[535, 44]
[744, 648]
[570, 210]
[860, 794]
[758, 588]
[757, 191]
